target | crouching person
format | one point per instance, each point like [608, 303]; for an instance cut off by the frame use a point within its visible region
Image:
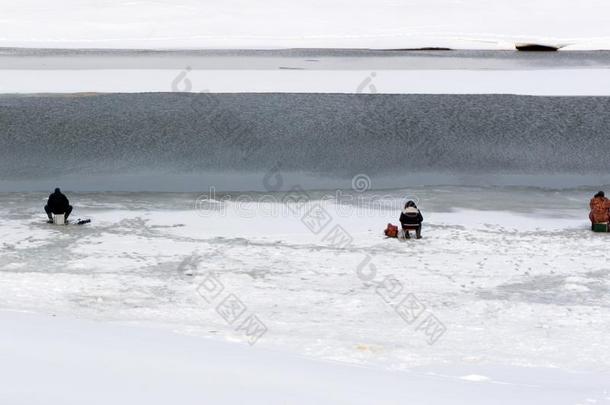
[600, 207]
[57, 204]
[411, 219]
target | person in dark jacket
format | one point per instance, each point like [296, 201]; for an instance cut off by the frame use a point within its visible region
[411, 218]
[57, 204]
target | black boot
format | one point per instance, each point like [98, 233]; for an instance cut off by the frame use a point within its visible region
[49, 214]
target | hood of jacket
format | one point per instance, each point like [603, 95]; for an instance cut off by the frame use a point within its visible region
[410, 210]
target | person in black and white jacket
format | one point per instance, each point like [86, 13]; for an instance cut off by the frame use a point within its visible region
[411, 219]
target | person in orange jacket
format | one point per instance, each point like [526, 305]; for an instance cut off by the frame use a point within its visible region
[600, 207]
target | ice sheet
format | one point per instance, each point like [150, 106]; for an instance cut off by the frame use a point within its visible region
[514, 274]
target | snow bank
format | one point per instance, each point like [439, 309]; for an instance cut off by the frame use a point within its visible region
[472, 24]
[49, 360]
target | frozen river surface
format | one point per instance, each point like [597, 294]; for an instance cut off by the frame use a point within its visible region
[505, 276]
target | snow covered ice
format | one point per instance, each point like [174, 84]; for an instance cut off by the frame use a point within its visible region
[514, 275]
[152, 366]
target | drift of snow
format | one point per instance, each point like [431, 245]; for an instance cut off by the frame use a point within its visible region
[50, 360]
[471, 24]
